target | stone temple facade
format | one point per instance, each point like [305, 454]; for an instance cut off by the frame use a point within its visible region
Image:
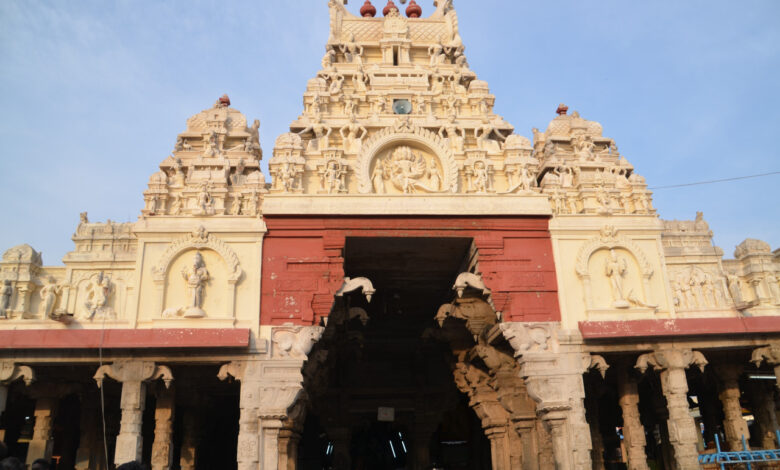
[417, 286]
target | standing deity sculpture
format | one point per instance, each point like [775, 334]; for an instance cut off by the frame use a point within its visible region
[328, 59]
[196, 276]
[49, 293]
[204, 202]
[176, 206]
[479, 178]
[527, 181]
[98, 295]
[252, 143]
[349, 107]
[210, 148]
[436, 52]
[774, 288]
[251, 205]
[354, 135]
[453, 133]
[287, 176]
[333, 178]
[423, 106]
[359, 80]
[321, 134]
[379, 105]
[235, 206]
[583, 148]
[336, 84]
[177, 178]
[616, 269]
[6, 292]
[735, 289]
[315, 108]
[352, 51]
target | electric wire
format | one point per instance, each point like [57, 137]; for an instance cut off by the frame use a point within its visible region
[716, 181]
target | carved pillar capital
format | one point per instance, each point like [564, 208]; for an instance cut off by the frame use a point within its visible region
[134, 371]
[10, 371]
[771, 355]
[667, 359]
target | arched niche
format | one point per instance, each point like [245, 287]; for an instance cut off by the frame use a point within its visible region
[217, 293]
[227, 274]
[615, 273]
[427, 165]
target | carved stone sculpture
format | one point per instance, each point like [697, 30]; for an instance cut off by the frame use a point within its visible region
[351, 285]
[196, 276]
[49, 294]
[616, 269]
[6, 292]
[295, 342]
[98, 295]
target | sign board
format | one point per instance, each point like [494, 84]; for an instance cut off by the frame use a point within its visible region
[386, 415]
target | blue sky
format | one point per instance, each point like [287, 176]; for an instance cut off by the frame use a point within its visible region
[95, 92]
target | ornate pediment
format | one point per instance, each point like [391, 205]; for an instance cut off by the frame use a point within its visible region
[199, 239]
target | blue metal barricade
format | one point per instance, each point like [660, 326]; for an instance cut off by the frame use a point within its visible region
[743, 456]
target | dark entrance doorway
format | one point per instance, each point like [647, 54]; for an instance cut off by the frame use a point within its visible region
[384, 397]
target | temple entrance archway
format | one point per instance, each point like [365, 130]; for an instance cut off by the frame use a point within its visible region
[382, 394]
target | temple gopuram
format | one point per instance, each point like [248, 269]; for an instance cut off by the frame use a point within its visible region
[416, 286]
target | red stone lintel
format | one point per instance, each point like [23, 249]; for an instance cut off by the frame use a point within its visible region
[679, 327]
[125, 339]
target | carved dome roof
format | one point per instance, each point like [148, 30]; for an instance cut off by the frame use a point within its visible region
[289, 140]
[223, 116]
[751, 246]
[565, 125]
[22, 254]
[517, 142]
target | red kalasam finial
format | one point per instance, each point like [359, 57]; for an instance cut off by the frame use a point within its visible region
[368, 10]
[562, 109]
[413, 10]
[224, 100]
[390, 6]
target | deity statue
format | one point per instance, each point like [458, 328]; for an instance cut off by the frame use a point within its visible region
[437, 82]
[251, 204]
[480, 177]
[436, 52]
[422, 104]
[353, 137]
[176, 206]
[349, 107]
[238, 177]
[483, 135]
[196, 276]
[49, 294]
[177, 179]
[336, 83]
[210, 148]
[321, 136]
[378, 178]
[315, 109]
[328, 59]
[235, 207]
[379, 105]
[359, 80]
[98, 294]
[287, 176]
[527, 181]
[6, 292]
[735, 289]
[352, 51]
[616, 269]
[774, 288]
[333, 178]
[205, 203]
[583, 148]
[454, 134]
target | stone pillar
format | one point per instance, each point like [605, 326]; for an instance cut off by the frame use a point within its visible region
[89, 447]
[633, 430]
[162, 448]
[734, 425]
[763, 403]
[290, 435]
[190, 440]
[770, 354]
[546, 457]
[683, 433]
[592, 415]
[42, 444]
[133, 375]
[9, 372]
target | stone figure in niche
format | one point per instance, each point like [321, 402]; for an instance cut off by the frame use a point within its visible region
[176, 206]
[352, 51]
[774, 288]
[177, 179]
[333, 177]
[235, 207]
[154, 201]
[98, 294]
[315, 110]
[437, 82]
[210, 144]
[49, 294]
[453, 133]
[6, 292]
[452, 105]
[642, 203]
[527, 181]
[480, 178]
[238, 177]
[321, 134]
[558, 205]
[251, 204]
[700, 225]
[205, 203]
[434, 179]
[405, 169]
[182, 144]
[583, 148]
[349, 107]
[604, 200]
[353, 137]
[328, 59]
[287, 176]
[436, 52]
[379, 176]
[359, 81]
[252, 143]
[379, 105]
[336, 83]
[422, 104]
[483, 135]
[616, 269]
[196, 276]
[735, 289]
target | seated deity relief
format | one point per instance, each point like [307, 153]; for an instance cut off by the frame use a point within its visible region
[406, 170]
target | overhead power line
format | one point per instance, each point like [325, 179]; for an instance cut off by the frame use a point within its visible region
[716, 181]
